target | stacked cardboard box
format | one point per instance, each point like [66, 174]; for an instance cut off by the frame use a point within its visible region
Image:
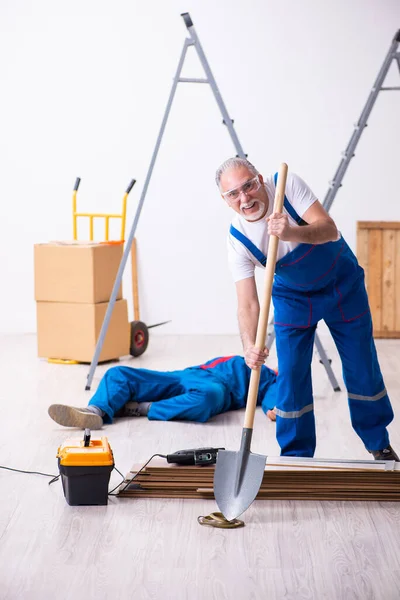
[73, 284]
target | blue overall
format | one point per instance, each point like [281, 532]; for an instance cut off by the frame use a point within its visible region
[314, 282]
[192, 394]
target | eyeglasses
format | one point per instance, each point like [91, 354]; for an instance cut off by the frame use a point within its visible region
[233, 196]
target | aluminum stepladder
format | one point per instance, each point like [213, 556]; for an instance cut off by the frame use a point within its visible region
[209, 79]
[359, 127]
[192, 41]
[347, 155]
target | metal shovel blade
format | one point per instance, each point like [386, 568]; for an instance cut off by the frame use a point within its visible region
[237, 478]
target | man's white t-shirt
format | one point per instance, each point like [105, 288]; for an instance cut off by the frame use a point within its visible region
[242, 263]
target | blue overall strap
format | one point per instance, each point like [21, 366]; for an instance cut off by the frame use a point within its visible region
[290, 208]
[249, 245]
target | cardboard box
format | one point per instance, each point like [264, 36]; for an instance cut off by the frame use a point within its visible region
[76, 271]
[70, 330]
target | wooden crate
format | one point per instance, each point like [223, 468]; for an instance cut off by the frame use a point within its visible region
[378, 252]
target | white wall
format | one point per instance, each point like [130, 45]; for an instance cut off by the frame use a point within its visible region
[84, 87]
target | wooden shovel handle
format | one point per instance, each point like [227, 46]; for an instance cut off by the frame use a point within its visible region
[266, 300]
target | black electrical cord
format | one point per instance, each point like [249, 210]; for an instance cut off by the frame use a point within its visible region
[33, 472]
[118, 472]
[56, 477]
[135, 475]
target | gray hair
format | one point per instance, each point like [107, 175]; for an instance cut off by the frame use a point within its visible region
[234, 163]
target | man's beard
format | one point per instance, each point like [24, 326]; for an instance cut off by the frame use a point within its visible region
[255, 215]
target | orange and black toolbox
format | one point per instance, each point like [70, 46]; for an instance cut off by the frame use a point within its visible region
[85, 467]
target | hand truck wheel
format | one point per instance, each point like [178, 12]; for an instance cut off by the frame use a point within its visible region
[139, 338]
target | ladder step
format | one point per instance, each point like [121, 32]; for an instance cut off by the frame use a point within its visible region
[192, 80]
[383, 89]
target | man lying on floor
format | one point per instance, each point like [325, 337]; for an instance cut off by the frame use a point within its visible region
[193, 394]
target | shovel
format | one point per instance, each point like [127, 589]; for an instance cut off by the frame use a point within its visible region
[238, 475]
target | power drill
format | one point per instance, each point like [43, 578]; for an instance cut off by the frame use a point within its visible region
[195, 456]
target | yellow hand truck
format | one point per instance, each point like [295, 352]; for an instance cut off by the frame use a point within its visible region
[139, 330]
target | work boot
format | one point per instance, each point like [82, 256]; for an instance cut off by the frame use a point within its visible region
[69, 416]
[385, 454]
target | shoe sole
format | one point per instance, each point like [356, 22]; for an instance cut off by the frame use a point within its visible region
[68, 416]
[386, 458]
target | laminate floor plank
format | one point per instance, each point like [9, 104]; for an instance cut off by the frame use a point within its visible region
[154, 549]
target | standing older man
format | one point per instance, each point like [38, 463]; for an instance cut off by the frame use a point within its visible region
[317, 277]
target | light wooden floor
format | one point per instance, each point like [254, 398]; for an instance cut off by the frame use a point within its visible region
[155, 549]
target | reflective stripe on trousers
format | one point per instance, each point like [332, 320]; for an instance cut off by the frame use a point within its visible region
[294, 414]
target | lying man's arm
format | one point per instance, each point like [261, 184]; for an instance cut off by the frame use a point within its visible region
[320, 229]
[248, 312]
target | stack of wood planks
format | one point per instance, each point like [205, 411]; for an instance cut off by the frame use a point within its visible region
[378, 252]
[285, 478]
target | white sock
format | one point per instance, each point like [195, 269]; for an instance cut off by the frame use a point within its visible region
[143, 408]
[96, 410]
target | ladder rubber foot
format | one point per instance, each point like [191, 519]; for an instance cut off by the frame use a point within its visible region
[336, 389]
[87, 388]
[329, 361]
[188, 21]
